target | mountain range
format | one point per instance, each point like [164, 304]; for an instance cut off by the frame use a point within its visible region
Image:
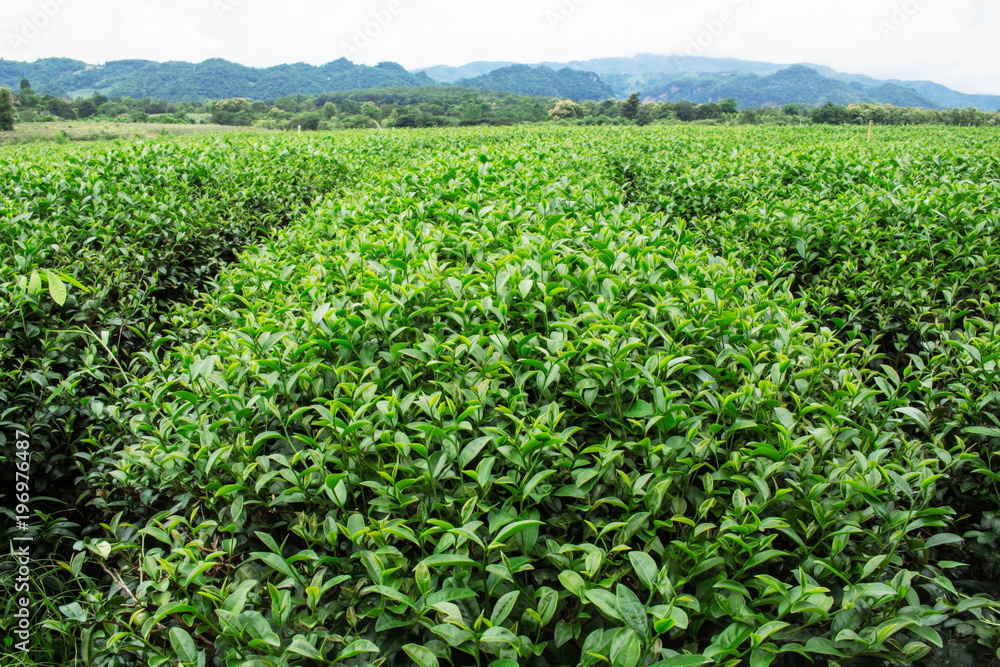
[211, 79]
[655, 77]
[652, 75]
[797, 84]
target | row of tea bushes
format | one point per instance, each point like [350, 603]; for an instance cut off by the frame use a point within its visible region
[97, 245]
[497, 405]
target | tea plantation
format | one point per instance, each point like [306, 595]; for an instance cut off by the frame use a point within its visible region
[543, 397]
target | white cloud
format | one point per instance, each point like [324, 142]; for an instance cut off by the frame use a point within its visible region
[949, 42]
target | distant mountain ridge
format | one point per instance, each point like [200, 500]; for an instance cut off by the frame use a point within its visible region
[795, 85]
[447, 74]
[217, 79]
[651, 75]
[655, 77]
[542, 81]
[211, 79]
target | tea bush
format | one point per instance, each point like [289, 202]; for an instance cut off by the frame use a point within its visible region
[96, 245]
[677, 396]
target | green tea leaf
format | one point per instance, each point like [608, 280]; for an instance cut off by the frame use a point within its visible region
[356, 648]
[503, 608]
[606, 602]
[275, 561]
[183, 646]
[510, 530]
[447, 560]
[57, 290]
[632, 611]
[574, 583]
[421, 655]
[645, 568]
[301, 646]
[917, 416]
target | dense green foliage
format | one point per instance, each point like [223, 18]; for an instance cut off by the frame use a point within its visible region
[442, 106]
[98, 244]
[139, 226]
[397, 107]
[532, 396]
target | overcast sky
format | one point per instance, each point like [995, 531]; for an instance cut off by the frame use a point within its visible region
[954, 42]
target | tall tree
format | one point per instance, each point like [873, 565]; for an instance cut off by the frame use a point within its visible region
[6, 110]
[631, 107]
[350, 107]
[27, 95]
[565, 109]
[644, 115]
[371, 110]
[831, 114]
[58, 107]
[685, 110]
[85, 108]
[728, 105]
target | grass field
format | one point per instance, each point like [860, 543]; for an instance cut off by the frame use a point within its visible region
[32, 133]
[547, 396]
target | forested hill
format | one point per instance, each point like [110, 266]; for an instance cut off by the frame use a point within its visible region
[543, 81]
[751, 84]
[650, 74]
[217, 79]
[211, 79]
[795, 85]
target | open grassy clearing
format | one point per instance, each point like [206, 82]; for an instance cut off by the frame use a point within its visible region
[32, 133]
[543, 397]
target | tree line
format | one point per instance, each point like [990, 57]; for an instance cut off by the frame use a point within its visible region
[447, 106]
